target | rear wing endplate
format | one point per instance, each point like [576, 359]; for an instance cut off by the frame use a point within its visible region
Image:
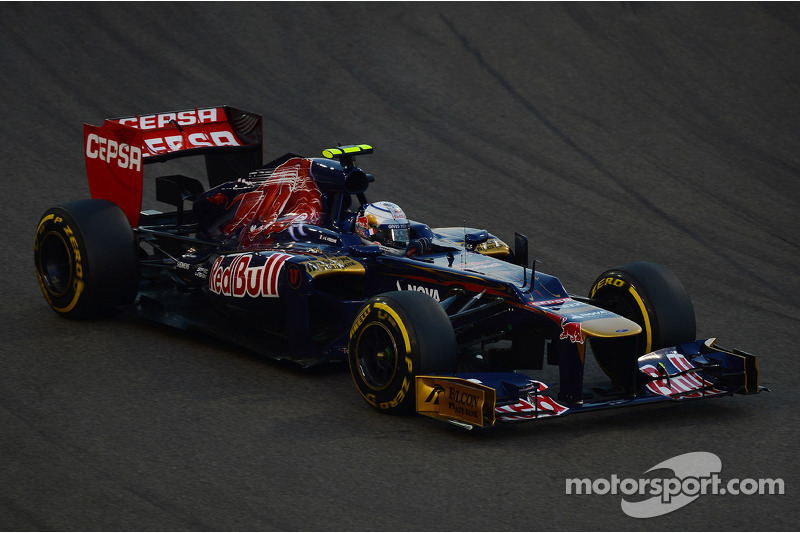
[229, 138]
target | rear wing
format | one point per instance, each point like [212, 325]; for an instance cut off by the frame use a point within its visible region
[229, 138]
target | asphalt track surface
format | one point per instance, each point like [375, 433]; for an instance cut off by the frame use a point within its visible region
[605, 132]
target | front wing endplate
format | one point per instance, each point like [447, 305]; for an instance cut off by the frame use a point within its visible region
[454, 399]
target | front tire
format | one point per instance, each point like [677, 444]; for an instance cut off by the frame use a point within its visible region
[395, 337]
[653, 297]
[86, 258]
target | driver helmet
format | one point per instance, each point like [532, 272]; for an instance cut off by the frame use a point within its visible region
[383, 223]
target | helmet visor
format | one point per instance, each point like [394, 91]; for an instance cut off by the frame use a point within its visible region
[394, 235]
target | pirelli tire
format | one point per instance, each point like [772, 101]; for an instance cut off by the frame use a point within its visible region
[395, 337]
[86, 258]
[653, 297]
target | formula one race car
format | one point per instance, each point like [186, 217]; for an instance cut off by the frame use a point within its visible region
[290, 259]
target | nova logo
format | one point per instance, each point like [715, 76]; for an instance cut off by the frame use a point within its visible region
[433, 293]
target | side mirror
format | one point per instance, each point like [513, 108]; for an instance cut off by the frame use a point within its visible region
[474, 239]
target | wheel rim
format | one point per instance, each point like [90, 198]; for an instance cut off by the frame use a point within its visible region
[376, 354]
[55, 264]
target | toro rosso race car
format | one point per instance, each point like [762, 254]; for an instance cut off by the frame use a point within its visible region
[291, 260]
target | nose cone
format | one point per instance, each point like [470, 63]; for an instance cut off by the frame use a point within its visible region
[610, 327]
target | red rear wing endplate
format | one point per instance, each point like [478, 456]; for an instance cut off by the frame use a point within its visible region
[116, 151]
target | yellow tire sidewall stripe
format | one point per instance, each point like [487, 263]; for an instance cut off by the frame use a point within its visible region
[645, 315]
[78, 286]
[400, 325]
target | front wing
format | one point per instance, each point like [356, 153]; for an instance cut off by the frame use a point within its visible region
[695, 370]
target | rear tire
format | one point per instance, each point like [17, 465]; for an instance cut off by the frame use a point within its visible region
[397, 336]
[86, 258]
[653, 297]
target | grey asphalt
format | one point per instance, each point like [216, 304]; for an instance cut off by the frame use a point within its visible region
[606, 132]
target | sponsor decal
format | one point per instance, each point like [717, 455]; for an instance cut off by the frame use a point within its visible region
[550, 303]
[326, 265]
[294, 277]
[562, 304]
[571, 331]
[240, 279]
[570, 304]
[684, 386]
[401, 394]
[182, 130]
[110, 151]
[537, 405]
[76, 253]
[433, 397]
[77, 284]
[395, 210]
[460, 402]
[172, 143]
[540, 406]
[456, 399]
[433, 293]
[163, 120]
[589, 314]
[616, 282]
[359, 319]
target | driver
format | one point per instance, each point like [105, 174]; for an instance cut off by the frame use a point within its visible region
[385, 224]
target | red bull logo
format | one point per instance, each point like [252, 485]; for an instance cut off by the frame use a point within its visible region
[571, 330]
[240, 279]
